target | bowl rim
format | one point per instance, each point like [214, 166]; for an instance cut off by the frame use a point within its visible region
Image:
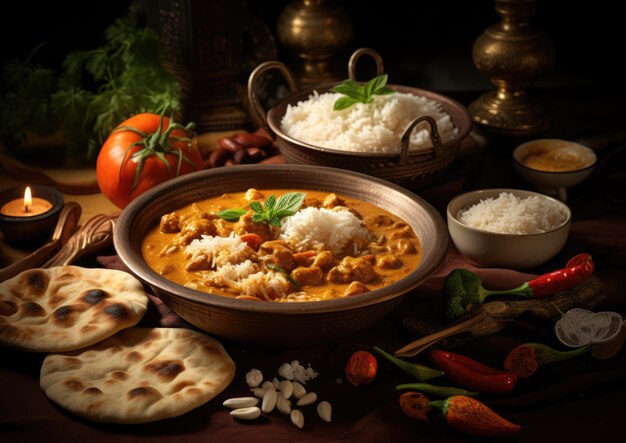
[464, 127]
[556, 173]
[143, 272]
[477, 192]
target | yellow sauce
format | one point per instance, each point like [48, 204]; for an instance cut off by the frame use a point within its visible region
[173, 265]
[555, 160]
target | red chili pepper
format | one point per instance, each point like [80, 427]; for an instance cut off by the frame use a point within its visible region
[525, 359]
[576, 270]
[361, 368]
[463, 288]
[415, 405]
[472, 417]
[471, 374]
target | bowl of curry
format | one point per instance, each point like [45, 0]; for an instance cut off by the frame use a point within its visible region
[281, 255]
[554, 165]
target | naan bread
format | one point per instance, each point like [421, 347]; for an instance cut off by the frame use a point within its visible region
[139, 375]
[67, 307]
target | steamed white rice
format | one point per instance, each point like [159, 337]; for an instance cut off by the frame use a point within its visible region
[509, 214]
[309, 228]
[372, 127]
[320, 228]
[219, 250]
[231, 269]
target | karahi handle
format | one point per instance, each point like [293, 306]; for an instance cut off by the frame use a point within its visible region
[435, 138]
[380, 69]
[259, 112]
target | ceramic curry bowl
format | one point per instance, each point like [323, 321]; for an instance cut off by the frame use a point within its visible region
[408, 168]
[271, 323]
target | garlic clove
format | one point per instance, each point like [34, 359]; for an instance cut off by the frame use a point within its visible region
[297, 418]
[286, 388]
[298, 390]
[240, 402]
[324, 410]
[307, 399]
[246, 413]
[269, 401]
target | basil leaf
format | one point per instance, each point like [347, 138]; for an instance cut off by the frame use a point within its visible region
[344, 103]
[290, 201]
[283, 213]
[278, 216]
[274, 221]
[231, 215]
[384, 91]
[271, 211]
[259, 218]
[256, 207]
[376, 83]
[269, 203]
[356, 92]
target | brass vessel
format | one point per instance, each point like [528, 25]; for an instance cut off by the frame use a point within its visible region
[202, 43]
[315, 31]
[512, 54]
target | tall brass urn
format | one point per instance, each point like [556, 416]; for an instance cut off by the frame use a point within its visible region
[512, 54]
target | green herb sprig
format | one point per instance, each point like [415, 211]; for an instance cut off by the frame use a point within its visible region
[280, 270]
[271, 212]
[356, 93]
[96, 90]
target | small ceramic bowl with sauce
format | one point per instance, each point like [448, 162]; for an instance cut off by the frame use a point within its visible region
[553, 165]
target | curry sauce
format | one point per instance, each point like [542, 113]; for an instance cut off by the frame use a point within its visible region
[257, 262]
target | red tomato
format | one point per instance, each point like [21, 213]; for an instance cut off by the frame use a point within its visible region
[361, 368]
[118, 162]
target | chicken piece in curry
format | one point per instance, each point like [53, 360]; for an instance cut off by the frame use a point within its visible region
[282, 245]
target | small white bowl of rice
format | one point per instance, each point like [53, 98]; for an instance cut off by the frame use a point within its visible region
[508, 228]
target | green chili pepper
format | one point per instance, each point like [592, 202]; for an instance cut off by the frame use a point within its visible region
[420, 372]
[441, 391]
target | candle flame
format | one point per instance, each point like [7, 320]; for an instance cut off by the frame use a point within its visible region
[28, 199]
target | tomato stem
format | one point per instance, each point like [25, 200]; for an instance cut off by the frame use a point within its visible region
[157, 144]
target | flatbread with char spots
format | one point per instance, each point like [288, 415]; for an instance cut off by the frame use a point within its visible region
[67, 307]
[138, 375]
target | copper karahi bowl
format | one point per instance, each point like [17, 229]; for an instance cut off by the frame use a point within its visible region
[412, 169]
[279, 324]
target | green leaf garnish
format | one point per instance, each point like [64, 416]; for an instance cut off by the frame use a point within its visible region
[231, 215]
[279, 269]
[355, 93]
[272, 211]
[91, 94]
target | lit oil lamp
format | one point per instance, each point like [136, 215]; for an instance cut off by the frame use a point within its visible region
[27, 215]
[26, 207]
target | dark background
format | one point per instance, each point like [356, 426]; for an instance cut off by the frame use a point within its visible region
[424, 43]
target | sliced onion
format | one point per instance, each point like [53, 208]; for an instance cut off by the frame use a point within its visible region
[607, 325]
[568, 329]
[580, 327]
[609, 348]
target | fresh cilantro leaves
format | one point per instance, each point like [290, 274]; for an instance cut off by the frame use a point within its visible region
[95, 91]
[356, 93]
